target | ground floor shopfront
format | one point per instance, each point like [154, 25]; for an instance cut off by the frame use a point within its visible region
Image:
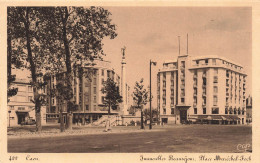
[24, 115]
[184, 118]
[78, 117]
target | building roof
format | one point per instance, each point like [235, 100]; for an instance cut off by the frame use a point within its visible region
[216, 57]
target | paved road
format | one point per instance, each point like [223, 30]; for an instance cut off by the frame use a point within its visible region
[183, 139]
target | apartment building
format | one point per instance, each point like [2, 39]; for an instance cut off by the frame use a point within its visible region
[87, 93]
[206, 89]
[20, 106]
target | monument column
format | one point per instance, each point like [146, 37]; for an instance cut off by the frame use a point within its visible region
[123, 83]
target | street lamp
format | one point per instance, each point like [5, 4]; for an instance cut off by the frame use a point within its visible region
[9, 111]
[151, 63]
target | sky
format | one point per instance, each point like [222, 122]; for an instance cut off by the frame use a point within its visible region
[152, 33]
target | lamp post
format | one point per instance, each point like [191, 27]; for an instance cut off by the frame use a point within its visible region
[9, 111]
[151, 63]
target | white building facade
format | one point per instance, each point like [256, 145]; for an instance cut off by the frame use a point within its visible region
[87, 94]
[20, 106]
[201, 89]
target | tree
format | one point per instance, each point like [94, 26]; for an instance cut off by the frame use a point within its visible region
[140, 97]
[77, 36]
[155, 113]
[113, 97]
[24, 40]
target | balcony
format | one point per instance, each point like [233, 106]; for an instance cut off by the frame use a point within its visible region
[194, 105]
[227, 103]
[204, 94]
[182, 77]
[182, 68]
[203, 104]
[204, 75]
[182, 86]
[182, 95]
[215, 79]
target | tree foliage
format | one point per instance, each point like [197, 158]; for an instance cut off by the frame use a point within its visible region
[113, 97]
[140, 94]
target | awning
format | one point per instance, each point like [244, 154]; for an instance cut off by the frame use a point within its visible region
[202, 116]
[231, 117]
[217, 117]
[22, 111]
[234, 117]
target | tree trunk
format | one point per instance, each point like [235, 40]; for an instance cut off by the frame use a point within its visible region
[67, 61]
[33, 74]
[109, 108]
[69, 121]
[9, 57]
[38, 118]
[142, 120]
[62, 127]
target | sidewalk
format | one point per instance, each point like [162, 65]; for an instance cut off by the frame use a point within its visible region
[53, 131]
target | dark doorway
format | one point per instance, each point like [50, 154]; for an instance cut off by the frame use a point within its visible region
[21, 117]
[164, 120]
[183, 116]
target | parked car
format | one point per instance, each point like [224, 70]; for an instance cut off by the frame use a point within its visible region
[28, 122]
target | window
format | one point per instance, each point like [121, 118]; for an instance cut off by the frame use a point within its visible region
[214, 61]
[195, 110]
[86, 98]
[183, 64]
[21, 108]
[182, 100]
[172, 92]
[204, 81]
[11, 107]
[206, 61]
[197, 62]
[215, 100]
[172, 110]
[53, 101]
[29, 98]
[215, 111]
[95, 99]
[164, 101]
[102, 72]
[164, 76]
[226, 110]
[215, 89]
[164, 84]
[86, 84]
[95, 81]
[215, 71]
[172, 100]
[95, 107]
[103, 81]
[86, 107]
[164, 110]
[164, 92]
[204, 111]
[95, 90]
[103, 99]
[29, 88]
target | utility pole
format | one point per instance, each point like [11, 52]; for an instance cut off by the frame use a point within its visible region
[151, 118]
